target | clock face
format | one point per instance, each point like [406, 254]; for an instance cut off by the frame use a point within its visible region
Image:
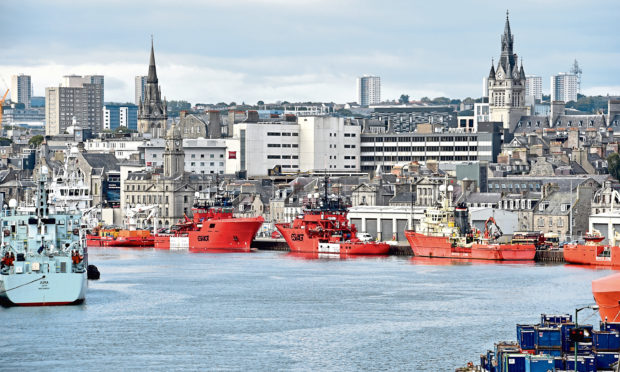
[500, 75]
[177, 143]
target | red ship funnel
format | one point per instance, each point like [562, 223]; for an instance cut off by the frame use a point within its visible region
[606, 293]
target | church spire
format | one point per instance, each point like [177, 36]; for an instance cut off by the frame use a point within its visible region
[507, 27]
[152, 78]
[492, 72]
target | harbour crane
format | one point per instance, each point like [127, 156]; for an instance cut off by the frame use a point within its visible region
[2, 104]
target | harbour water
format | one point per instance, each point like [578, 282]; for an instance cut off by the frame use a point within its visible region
[167, 310]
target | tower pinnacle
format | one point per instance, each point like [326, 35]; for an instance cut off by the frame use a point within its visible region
[152, 77]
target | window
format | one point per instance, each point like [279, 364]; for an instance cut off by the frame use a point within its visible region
[273, 134]
[212, 163]
[550, 221]
[541, 222]
[212, 156]
[560, 222]
[193, 156]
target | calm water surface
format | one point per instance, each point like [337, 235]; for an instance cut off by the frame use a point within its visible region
[162, 310]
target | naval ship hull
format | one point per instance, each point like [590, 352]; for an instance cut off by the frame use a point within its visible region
[35, 289]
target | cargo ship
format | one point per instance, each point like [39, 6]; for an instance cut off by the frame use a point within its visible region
[43, 253]
[592, 252]
[212, 227]
[324, 228]
[445, 233]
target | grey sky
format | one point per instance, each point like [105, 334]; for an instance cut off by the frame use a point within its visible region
[236, 50]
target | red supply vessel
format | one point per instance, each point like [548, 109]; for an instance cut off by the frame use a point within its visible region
[211, 227]
[606, 293]
[325, 229]
[592, 252]
[445, 232]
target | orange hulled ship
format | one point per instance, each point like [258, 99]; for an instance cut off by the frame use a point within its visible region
[212, 227]
[592, 252]
[606, 293]
[324, 228]
[445, 232]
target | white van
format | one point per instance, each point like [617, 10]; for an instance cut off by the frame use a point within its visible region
[365, 237]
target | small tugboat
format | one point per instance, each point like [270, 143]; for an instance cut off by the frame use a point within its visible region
[42, 254]
[325, 228]
[212, 227]
[445, 232]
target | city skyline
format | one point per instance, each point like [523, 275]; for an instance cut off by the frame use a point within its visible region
[417, 49]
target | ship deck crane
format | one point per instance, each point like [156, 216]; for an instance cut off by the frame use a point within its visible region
[151, 212]
[487, 231]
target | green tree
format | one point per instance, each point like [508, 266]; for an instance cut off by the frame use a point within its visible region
[425, 100]
[613, 164]
[35, 141]
[260, 103]
[404, 98]
[441, 101]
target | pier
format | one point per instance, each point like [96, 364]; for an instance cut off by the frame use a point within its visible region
[549, 256]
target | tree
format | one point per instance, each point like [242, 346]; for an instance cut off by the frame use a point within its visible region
[260, 103]
[404, 98]
[441, 101]
[35, 141]
[613, 164]
[425, 100]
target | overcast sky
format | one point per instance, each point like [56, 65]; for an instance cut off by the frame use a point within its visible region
[298, 50]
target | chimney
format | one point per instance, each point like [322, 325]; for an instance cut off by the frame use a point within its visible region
[557, 109]
[182, 114]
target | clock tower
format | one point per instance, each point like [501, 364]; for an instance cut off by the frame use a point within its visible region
[174, 156]
[506, 84]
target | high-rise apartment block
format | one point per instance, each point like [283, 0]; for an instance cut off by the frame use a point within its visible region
[533, 86]
[368, 90]
[564, 87]
[21, 89]
[140, 85]
[79, 97]
[115, 116]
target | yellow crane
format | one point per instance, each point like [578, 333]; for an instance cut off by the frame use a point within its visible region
[2, 104]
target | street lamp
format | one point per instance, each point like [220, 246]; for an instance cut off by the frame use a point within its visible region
[593, 307]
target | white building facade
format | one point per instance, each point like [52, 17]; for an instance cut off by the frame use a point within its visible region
[533, 86]
[202, 156]
[368, 90]
[140, 84]
[564, 87]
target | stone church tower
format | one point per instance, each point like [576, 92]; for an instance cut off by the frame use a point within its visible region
[174, 156]
[152, 114]
[507, 85]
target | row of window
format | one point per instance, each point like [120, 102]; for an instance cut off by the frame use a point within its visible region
[541, 222]
[282, 157]
[294, 145]
[202, 164]
[418, 148]
[278, 134]
[460, 138]
[349, 134]
[418, 158]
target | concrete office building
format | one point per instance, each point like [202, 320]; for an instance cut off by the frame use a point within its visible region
[564, 87]
[79, 97]
[368, 90]
[533, 86]
[21, 89]
[140, 86]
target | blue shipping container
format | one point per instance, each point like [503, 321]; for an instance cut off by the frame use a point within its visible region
[584, 364]
[527, 340]
[610, 326]
[539, 363]
[548, 337]
[555, 318]
[605, 359]
[550, 352]
[558, 362]
[514, 362]
[606, 341]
